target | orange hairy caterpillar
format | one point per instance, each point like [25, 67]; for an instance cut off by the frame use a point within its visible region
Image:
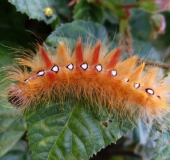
[101, 78]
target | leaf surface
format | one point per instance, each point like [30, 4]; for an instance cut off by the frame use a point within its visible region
[35, 8]
[12, 128]
[72, 132]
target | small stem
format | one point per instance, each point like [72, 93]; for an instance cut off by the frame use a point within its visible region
[126, 38]
[128, 6]
[156, 64]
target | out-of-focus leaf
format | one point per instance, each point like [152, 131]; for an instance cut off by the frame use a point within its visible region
[110, 17]
[145, 50]
[162, 148]
[150, 142]
[140, 29]
[63, 9]
[85, 10]
[35, 8]
[12, 128]
[145, 142]
[140, 142]
[18, 152]
[149, 6]
[5, 58]
[72, 31]
[161, 133]
[129, 1]
[163, 40]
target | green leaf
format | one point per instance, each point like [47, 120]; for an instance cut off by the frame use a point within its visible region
[72, 31]
[12, 127]
[63, 9]
[5, 58]
[162, 148]
[144, 142]
[85, 10]
[152, 142]
[149, 6]
[163, 41]
[72, 131]
[140, 29]
[145, 50]
[35, 8]
[18, 152]
[161, 132]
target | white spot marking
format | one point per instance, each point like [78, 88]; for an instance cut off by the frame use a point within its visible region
[150, 91]
[40, 73]
[55, 69]
[136, 85]
[114, 72]
[99, 67]
[126, 79]
[70, 66]
[84, 66]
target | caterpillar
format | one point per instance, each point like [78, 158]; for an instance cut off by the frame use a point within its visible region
[90, 72]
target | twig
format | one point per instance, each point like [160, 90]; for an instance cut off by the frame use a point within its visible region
[156, 64]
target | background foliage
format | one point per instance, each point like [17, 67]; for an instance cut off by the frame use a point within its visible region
[72, 131]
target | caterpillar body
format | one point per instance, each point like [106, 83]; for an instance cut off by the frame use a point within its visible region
[101, 78]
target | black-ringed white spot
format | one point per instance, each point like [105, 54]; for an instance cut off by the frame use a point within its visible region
[55, 69]
[99, 67]
[136, 85]
[84, 66]
[126, 79]
[40, 73]
[150, 91]
[70, 66]
[114, 72]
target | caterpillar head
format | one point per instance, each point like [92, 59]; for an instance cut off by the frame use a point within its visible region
[16, 96]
